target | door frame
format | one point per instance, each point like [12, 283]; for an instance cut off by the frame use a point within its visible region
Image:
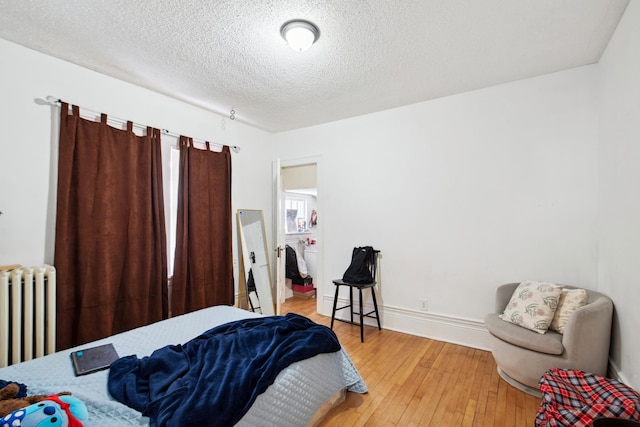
[278, 218]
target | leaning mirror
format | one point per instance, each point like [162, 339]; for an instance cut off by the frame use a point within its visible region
[255, 261]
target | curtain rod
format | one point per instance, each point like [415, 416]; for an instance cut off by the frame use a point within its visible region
[52, 100]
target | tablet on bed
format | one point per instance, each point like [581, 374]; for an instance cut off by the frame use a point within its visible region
[93, 359]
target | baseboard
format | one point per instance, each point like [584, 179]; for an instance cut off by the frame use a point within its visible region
[456, 330]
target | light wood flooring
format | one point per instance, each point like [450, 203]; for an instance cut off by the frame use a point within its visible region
[416, 381]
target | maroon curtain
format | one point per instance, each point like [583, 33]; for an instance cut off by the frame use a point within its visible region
[203, 268]
[110, 248]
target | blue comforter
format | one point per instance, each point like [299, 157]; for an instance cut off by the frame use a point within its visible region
[214, 379]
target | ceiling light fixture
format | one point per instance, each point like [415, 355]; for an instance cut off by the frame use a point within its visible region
[299, 34]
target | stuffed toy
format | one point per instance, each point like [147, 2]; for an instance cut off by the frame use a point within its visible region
[14, 396]
[54, 411]
[22, 390]
[30, 411]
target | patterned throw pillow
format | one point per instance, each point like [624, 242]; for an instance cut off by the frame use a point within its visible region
[533, 305]
[570, 300]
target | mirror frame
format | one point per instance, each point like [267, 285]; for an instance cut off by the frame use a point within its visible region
[267, 304]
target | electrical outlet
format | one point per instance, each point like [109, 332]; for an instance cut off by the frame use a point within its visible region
[424, 304]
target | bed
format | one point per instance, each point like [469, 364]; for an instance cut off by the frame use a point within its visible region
[299, 396]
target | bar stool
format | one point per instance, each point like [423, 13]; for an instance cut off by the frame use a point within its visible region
[373, 268]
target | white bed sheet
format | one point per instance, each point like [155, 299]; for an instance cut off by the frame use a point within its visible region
[298, 392]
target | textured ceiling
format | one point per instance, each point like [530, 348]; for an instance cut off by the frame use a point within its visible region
[372, 55]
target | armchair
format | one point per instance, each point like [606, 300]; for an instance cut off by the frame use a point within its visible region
[523, 356]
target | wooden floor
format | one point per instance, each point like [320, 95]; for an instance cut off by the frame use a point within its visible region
[416, 381]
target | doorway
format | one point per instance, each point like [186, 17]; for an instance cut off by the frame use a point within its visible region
[298, 228]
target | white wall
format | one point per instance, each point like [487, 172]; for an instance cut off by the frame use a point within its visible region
[619, 221]
[28, 146]
[461, 194]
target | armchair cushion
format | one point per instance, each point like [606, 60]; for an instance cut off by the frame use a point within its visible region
[533, 305]
[549, 343]
[570, 301]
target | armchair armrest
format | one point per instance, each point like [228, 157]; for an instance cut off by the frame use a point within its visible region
[588, 334]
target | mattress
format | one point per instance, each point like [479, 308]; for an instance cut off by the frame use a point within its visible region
[298, 392]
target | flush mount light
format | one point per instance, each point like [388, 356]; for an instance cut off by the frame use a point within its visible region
[299, 34]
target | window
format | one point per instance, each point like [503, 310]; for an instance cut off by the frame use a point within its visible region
[172, 218]
[296, 210]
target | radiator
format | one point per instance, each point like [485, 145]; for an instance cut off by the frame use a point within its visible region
[27, 313]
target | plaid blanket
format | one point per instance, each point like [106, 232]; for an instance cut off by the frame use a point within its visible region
[575, 398]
